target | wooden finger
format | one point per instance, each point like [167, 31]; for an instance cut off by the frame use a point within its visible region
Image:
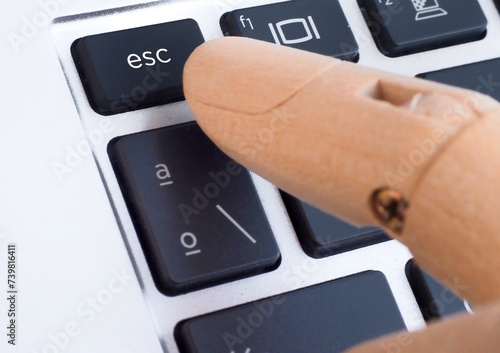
[419, 158]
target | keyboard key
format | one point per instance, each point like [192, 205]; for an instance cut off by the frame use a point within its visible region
[196, 212]
[135, 68]
[317, 26]
[407, 26]
[321, 234]
[434, 300]
[326, 318]
[482, 77]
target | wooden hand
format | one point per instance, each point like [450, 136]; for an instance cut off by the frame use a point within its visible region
[419, 158]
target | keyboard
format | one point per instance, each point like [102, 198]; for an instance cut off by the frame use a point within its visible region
[227, 262]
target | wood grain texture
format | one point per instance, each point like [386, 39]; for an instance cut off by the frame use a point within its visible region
[332, 133]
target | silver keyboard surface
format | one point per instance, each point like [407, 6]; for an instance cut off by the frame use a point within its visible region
[390, 257]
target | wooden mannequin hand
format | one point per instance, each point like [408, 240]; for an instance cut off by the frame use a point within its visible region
[334, 134]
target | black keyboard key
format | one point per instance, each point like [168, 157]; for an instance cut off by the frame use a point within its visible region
[326, 318]
[135, 68]
[482, 77]
[434, 300]
[408, 26]
[318, 26]
[197, 213]
[321, 234]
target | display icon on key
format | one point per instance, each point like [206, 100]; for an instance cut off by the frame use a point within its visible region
[309, 27]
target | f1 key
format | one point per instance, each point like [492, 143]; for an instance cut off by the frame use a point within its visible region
[135, 68]
[317, 26]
